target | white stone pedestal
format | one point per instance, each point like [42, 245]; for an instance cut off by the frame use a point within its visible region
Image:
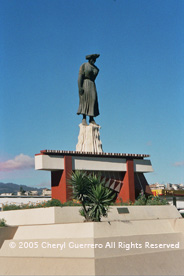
[89, 139]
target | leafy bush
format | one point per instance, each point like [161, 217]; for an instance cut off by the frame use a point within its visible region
[53, 202]
[90, 193]
[2, 222]
[151, 200]
[50, 203]
[7, 207]
[141, 200]
[122, 203]
[72, 203]
[156, 200]
[95, 198]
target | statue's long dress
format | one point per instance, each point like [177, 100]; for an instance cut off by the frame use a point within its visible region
[88, 102]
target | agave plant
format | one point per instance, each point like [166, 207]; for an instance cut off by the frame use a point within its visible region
[94, 196]
[100, 199]
[79, 181]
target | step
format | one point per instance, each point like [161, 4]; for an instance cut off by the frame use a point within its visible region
[95, 229]
[149, 264]
[71, 214]
[92, 247]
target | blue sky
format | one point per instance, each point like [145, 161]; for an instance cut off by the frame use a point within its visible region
[140, 83]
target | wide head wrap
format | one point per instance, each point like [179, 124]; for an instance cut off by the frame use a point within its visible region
[93, 56]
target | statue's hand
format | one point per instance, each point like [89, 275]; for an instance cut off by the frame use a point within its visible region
[81, 91]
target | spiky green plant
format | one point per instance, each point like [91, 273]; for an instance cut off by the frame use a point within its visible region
[79, 181]
[100, 198]
[93, 195]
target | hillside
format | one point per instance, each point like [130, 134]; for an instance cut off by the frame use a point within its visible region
[14, 188]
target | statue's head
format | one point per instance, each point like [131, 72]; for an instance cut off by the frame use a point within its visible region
[92, 58]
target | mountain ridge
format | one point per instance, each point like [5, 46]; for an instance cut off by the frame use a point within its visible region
[14, 188]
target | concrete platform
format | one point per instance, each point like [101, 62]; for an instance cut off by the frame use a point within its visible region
[150, 241]
[71, 214]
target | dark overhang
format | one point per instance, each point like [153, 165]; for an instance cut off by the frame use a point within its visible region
[103, 154]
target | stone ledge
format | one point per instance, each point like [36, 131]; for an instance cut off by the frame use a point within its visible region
[71, 214]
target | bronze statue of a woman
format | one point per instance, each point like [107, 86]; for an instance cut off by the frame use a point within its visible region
[88, 99]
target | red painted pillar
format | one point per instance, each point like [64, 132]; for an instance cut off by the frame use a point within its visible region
[60, 188]
[127, 192]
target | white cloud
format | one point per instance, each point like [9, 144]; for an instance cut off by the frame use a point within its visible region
[149, 143]
[20, 162]
[179, 164]
[45, 184]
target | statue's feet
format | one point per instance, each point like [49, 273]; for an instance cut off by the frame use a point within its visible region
[93, 123]
[84, 123]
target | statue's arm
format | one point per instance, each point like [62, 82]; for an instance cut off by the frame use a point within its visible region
[80, 84]
[81, 80]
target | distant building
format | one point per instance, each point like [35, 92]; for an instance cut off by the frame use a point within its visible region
[181, 186]
[6, 194]
[31, 193]
[46, 192]
[168, 189]
[35, 193]
[28, 193]
[175, 187]
[169, 186]
[157, 186]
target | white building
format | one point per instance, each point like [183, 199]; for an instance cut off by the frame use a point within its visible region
[6, 194]
[157, 186]
[46, 192]
[175, 186]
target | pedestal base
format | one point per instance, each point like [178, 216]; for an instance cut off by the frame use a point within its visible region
[89, 139]
[150, 241]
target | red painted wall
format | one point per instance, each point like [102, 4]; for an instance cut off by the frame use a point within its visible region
[59, 185]
[127, 192]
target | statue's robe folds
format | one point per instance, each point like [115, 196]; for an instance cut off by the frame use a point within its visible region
[88, 101]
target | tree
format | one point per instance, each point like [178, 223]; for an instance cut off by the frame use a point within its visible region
[22, 190]
[90, 190]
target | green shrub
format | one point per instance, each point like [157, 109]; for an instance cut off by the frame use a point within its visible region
[156, 200]
[71, 203]
[2, 222]
[50, 203]
[121, 203]
[7, 207]
[53, 202]
[90, 190]
[100, 198]
[141, 200]
[151, 200]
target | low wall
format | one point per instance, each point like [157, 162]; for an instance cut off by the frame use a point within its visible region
[71, 214]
